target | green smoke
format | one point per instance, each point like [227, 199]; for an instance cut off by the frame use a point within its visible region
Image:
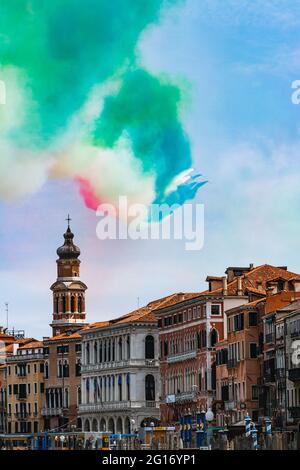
[63, 48]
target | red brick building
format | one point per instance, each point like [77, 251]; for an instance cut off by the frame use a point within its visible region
[192, 324]
[246, 359]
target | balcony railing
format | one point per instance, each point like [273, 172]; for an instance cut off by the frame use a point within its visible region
[52, 412]
[229, 405]
[183, 356]
[231, 363]
[295, 412]
[295, 334]
[25, 357]
[119, 405]
[294, 374]
[270, 338]
[186, 396]
[22, 416]
[119, 365]
[21, 396]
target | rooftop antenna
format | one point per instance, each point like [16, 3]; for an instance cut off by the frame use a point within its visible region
[6, 309]
[138, 302]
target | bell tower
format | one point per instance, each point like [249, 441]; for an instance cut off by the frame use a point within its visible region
[68, 290]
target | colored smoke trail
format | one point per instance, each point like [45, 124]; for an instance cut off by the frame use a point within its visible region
[80, 106]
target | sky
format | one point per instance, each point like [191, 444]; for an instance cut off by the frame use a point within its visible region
[235, 61]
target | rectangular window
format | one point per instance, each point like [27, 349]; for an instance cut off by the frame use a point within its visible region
[216, 309]
[254, 392]
[62, 349]
[252, 318]
[253, 350]
[228, 325]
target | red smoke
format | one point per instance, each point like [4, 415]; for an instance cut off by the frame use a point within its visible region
[86, 191]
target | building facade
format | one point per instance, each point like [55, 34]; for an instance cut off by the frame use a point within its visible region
[247, 374]
[120, 373]
[190, 326]
[62, 371]
[25, 388]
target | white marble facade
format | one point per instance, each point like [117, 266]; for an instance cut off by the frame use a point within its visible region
[120, 385]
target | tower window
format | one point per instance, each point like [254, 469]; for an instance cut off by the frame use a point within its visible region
[64, 304]
[72, 304]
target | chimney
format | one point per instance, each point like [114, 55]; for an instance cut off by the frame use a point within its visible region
[225, 290]
[15, 348]
[239, 286]
[251, 266]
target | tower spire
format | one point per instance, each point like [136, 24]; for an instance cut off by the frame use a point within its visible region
[68, 290]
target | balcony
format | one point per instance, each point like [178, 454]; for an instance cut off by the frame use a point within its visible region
[179, 357]
[229, 405]
[270, 338]
[295, 412]
[119, 365]
[294, 374]
[52, 412]
[21, 396]
[119, 405]
[185, 396]
[295, 334]
[232, 363]
[22, 416]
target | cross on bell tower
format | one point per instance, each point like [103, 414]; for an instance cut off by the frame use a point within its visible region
[68, 290]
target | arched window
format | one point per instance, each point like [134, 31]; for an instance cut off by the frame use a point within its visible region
[64, 304]
[120, 387]
[60, 369]
[149, 388]
[95, 352]
[88, 353]
[128, 386]
[46, 373]
[66, 369]
[72, 303]
[213, 337]
[79, 304]
[100, 352]
[56, 304]
[149, 347]
[128, 347]
[120, 350]
[78, 368]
